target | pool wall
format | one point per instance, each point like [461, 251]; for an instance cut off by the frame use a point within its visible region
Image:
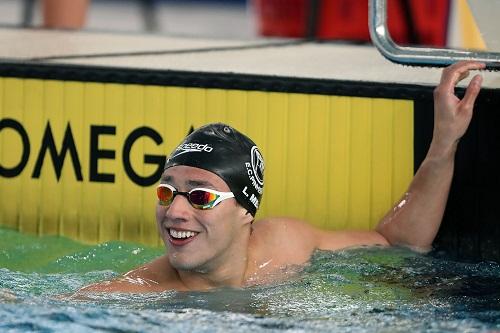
[82, 159]
[87, 120]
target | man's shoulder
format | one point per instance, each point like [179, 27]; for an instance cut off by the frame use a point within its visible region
[157, 275]
[272, 226]
[291, 239]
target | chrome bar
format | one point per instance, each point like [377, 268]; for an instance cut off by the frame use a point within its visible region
[419, 56]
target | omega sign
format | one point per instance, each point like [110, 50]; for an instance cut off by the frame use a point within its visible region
[69, 152]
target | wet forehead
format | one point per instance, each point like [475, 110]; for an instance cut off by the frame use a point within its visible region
[186, 177]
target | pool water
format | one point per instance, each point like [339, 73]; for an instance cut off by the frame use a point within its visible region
[356, 290]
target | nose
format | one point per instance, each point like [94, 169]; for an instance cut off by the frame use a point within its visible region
[179, 209]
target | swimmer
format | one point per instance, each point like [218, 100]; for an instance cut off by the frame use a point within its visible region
[211, 189]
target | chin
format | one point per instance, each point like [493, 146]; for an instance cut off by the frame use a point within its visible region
[179, 262]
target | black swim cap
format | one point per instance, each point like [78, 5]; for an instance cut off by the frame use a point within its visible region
[229, 154]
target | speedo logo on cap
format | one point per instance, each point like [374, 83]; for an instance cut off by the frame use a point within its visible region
[192, 148]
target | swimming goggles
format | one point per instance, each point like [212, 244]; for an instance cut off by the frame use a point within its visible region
[199, 198]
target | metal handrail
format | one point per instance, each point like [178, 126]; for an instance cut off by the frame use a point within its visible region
[419, 56]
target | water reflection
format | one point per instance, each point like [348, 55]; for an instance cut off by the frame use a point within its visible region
[364, 289]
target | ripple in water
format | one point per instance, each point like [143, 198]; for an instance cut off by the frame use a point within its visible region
[356, 290]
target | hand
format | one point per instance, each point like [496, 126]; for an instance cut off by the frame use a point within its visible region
[452, 116]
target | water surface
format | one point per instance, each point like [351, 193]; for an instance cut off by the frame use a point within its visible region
[356, 290]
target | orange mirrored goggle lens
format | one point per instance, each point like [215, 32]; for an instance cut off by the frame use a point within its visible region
[165, 195]
[198, 198]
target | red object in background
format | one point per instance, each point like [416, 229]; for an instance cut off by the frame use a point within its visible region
[421, 22]
[285, 18]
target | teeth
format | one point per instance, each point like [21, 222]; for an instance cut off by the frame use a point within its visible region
[181, 234]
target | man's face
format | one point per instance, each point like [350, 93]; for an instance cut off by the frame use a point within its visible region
[198, 239]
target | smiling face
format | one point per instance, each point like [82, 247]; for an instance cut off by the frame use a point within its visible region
[200, 240]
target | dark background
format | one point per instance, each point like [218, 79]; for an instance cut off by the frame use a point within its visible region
[471, 226]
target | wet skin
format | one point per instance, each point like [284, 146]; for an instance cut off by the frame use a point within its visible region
[226, 248]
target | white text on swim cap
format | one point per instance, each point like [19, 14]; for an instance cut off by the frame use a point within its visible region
[192, 148]
[253, 197]
[251, 176]
[254, 201]
[257, 165]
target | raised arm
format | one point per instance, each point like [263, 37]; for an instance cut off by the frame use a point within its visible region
[415, 219]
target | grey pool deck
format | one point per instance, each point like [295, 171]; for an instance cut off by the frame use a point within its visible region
[268, 57]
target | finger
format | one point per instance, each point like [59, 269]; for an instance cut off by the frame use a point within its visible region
[472, 92]
[462, 76]
[457, 72]
[468, 64]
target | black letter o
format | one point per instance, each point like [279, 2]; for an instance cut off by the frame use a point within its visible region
[15, 125]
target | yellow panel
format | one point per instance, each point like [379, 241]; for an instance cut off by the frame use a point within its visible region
[317, 162]
[51, 191]
[297, 154]
[276, 168]
[176, 125]
[360, 163]
[195, 106]
[13, 105]
[31, 192]
[382, 158]
[236, 113]
[4, 217]
[216, 105]
[70, 186]
[109, 140]
[132, 205]
[91, 191]
[154, 107]
[403, 148]
[1, 98]
[338, 162]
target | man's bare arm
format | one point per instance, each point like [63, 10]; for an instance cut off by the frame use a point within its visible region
[415, 219]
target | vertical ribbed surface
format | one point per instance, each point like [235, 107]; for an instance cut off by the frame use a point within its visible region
[30, 194]
[72, 207]
[337, 162]
[111, 217]
[92, 199]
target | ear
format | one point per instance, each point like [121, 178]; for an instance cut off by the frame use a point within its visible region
[245, 216]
